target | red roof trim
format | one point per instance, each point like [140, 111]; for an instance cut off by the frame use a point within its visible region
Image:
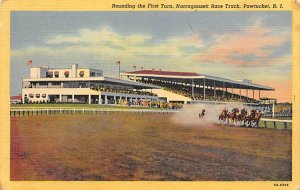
[16, 98]
[154, 72]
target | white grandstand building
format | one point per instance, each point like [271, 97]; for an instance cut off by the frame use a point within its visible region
[86, 85]
[81, 85]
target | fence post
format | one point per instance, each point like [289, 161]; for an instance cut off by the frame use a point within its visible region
[285, 125]
[265, 122]
[274, 124]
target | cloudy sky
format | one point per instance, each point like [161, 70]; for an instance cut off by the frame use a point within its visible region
[234, 45]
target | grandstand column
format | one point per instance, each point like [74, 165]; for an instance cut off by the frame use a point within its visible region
[89, 99]
[99, 99]
[115, 100]
[231, 91]
[223, 89]
[192, 89]
[105, 99]
[73, 98]
[258, 94]
[204, 89]
[253, 94]
[60, 98]
[240, 92]
[214, 90]
[247, 93]
[23, 98]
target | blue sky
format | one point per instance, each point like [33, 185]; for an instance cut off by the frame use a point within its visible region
[236, 45]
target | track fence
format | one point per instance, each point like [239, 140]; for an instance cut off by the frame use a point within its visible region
[66, 110]
[275, 124]
[32, 111]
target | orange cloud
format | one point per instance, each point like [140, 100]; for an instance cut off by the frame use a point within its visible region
[254, 42]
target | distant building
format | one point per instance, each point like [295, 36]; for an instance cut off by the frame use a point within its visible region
[81, 85]
[16, 99]
[265, 100]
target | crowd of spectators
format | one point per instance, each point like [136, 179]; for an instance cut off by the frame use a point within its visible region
[140, 102]
[147, 103]
[186, 91]
[122, 90]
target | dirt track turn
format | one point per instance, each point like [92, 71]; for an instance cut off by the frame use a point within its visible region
[143, 147]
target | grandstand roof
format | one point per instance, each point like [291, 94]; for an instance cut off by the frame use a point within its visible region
[189, 77]
[165, 73]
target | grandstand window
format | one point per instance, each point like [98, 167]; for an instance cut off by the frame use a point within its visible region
[43, 83]
[49, 74]
[67, 73]
[82, 85]
[56, 74]
[92, 74]
[81, 73]
[56, 83]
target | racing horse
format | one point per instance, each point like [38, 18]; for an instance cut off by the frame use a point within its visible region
[202, 114]
[232, 115]
[223, 115]
[257, 117]
[241, 116]
[252, 120]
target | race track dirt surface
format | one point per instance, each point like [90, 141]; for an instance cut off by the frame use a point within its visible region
[120, 146]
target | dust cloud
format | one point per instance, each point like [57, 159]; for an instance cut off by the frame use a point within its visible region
[189, 116]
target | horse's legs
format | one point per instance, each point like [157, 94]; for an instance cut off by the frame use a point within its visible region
[248, 123]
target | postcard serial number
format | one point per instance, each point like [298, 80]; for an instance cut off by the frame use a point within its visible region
[281, 184]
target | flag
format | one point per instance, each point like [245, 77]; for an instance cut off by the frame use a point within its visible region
[29, 62]
[118, 62]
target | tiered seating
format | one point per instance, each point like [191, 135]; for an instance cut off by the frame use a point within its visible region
[124, 91]
[198, 92]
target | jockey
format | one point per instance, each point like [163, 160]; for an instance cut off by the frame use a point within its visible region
[202, 113]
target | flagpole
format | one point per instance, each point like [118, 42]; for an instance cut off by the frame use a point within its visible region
[119, 63]
[120, 71]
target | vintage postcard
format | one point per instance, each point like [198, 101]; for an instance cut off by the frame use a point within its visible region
[128, 94]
